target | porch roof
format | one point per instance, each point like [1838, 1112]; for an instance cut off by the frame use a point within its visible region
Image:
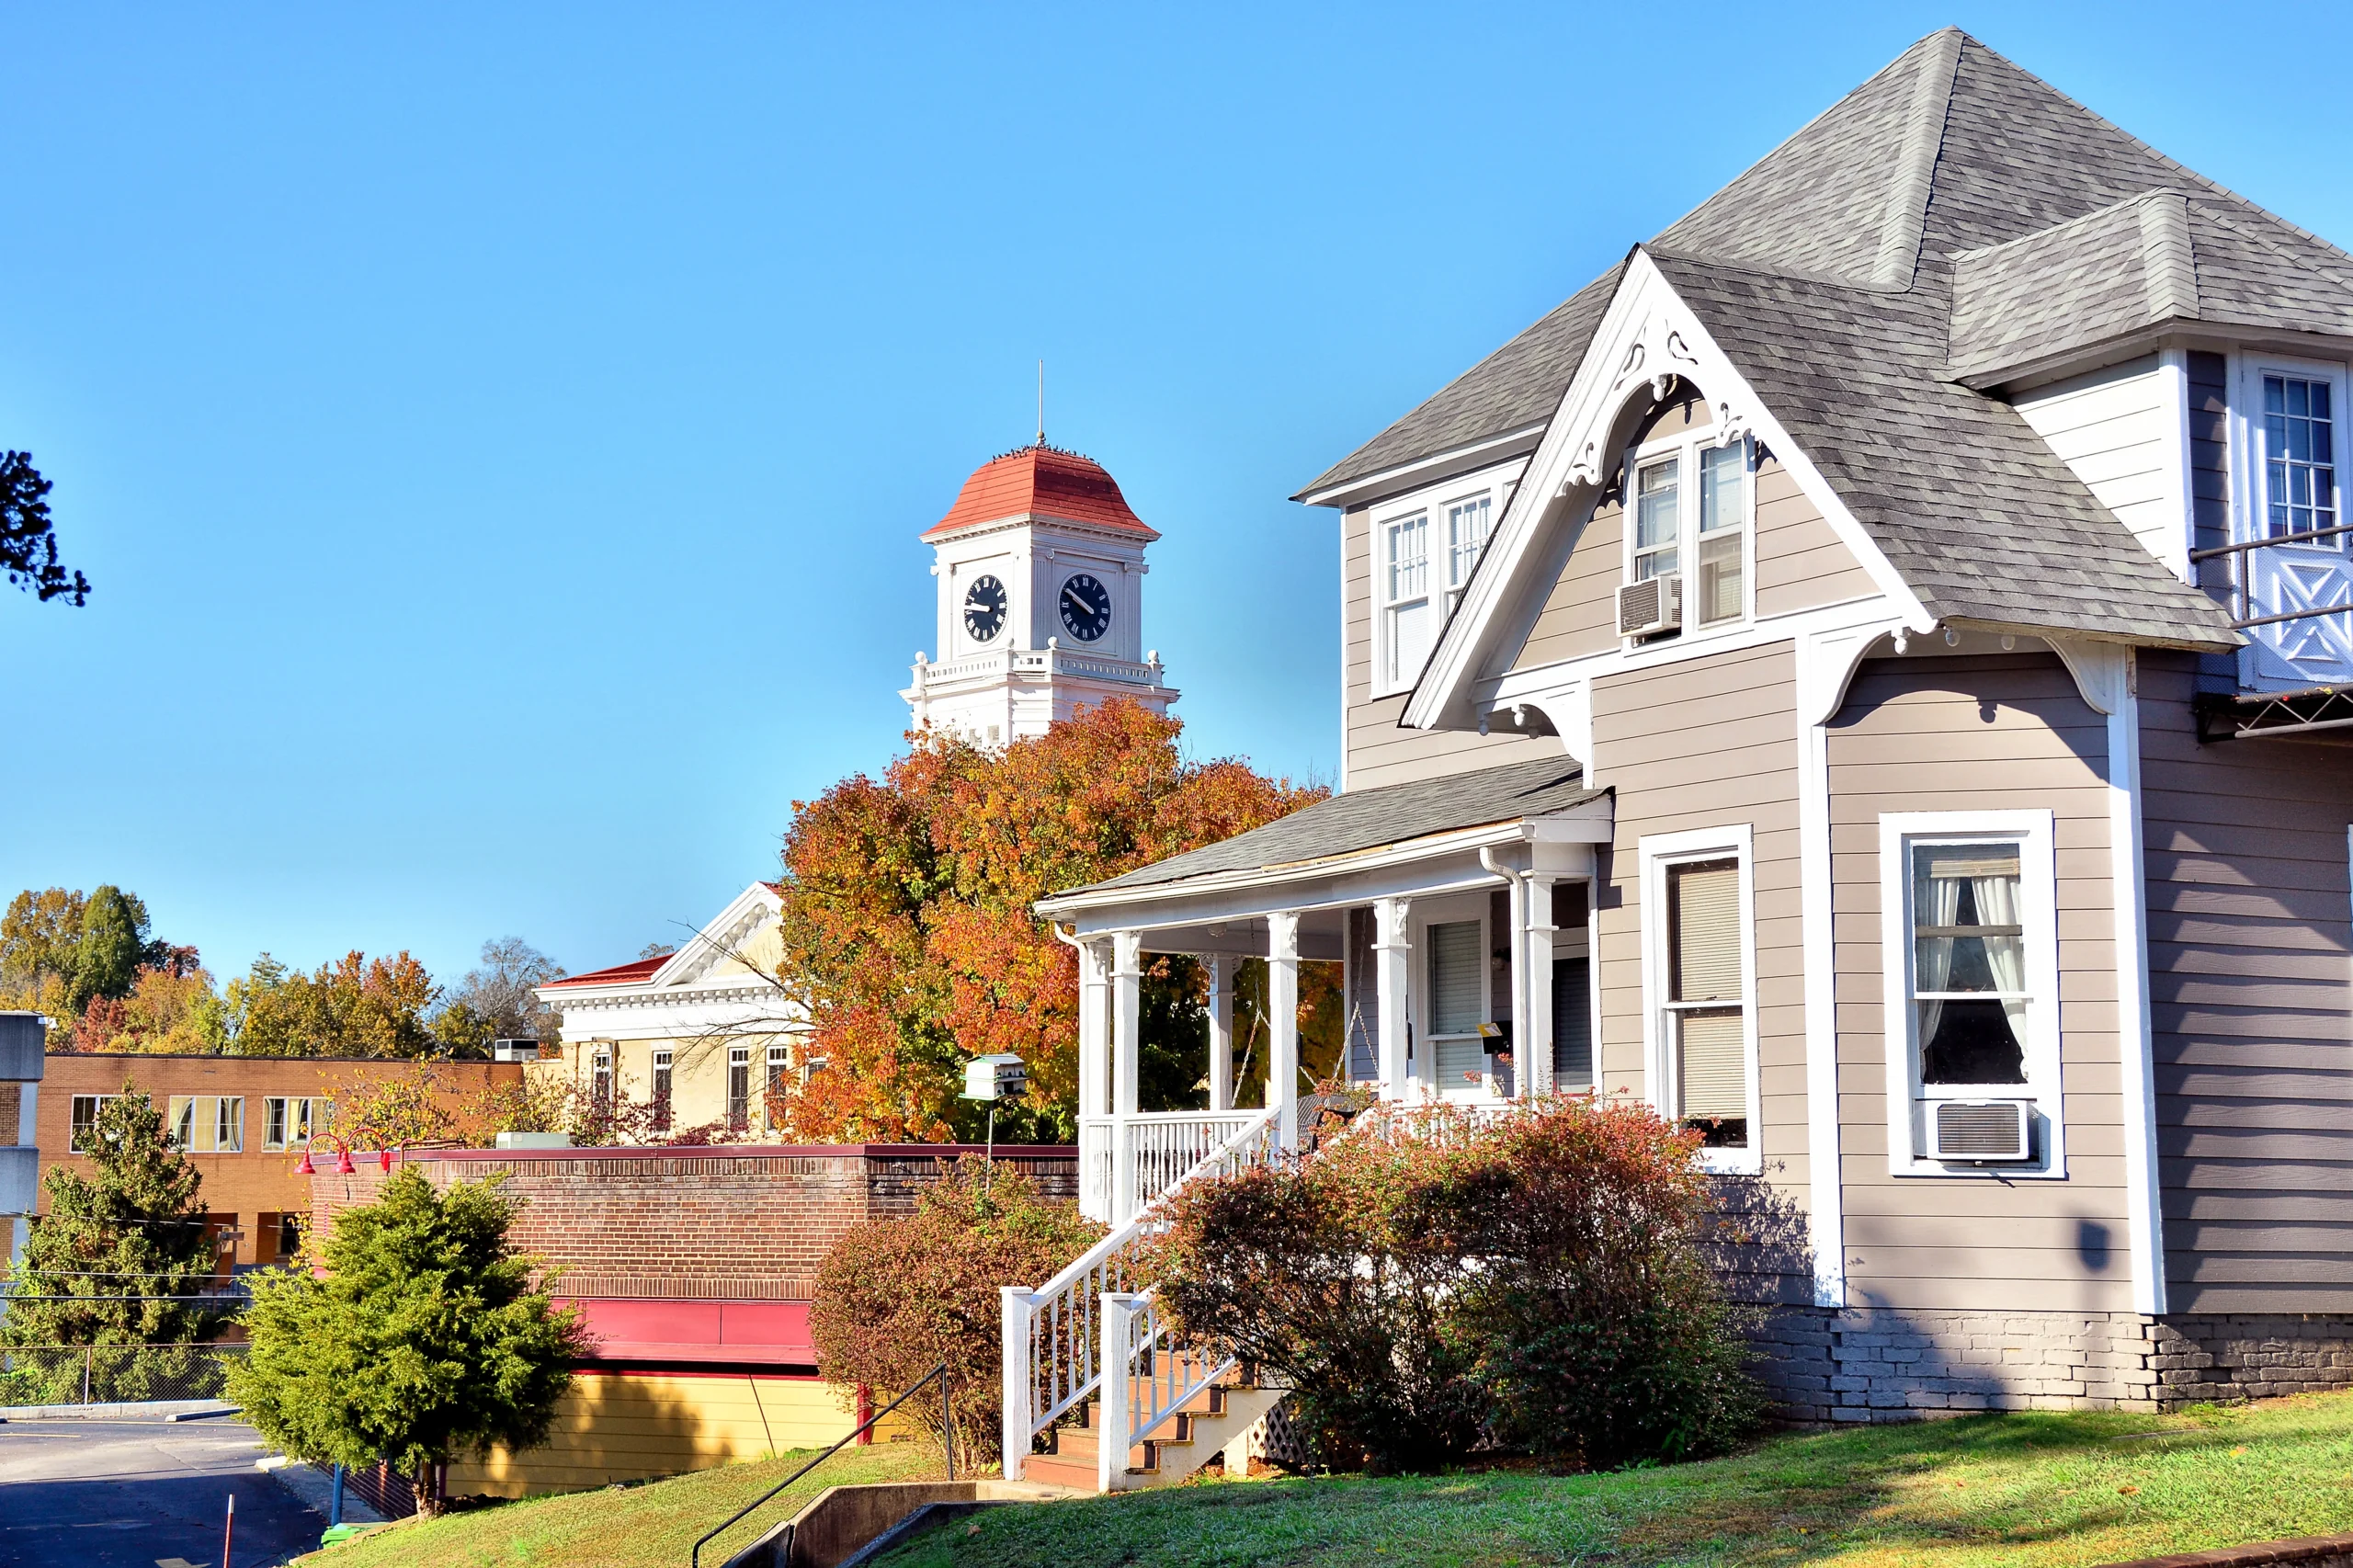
[1365, 820]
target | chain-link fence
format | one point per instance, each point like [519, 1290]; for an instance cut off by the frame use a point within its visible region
[114, 1374]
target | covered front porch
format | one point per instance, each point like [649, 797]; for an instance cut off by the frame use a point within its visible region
[1460, 910]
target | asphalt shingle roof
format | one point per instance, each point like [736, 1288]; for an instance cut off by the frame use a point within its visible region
[1371, 819]
[1950, 217]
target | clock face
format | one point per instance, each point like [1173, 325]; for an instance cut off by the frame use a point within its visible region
[1086, 607]
[984, 608]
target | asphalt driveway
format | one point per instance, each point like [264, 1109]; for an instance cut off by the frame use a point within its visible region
[141, 1494]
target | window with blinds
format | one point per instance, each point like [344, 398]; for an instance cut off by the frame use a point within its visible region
[1707, 999]
[1572, 1025]
[1457, 1006]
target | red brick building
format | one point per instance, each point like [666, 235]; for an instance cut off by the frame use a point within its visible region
[695, 1267]
[243, 1122]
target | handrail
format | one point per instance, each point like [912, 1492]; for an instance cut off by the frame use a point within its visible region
[947, 1444]
[2245, 545]
[1050, 1373]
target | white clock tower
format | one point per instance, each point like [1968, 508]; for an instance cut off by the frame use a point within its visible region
[1040, 571]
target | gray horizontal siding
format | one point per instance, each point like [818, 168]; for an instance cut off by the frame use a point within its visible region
[2251, 1004]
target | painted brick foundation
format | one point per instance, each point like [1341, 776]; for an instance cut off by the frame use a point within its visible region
[1823, 1366]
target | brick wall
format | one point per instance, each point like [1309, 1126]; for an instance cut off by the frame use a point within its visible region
[738, 1224]
[1823, 1366]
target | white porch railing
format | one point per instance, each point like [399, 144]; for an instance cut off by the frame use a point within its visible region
[1161, 1377]
[1128, 1161]
[1056, 1338]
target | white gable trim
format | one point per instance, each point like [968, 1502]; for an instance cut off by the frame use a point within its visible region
[1647, 335]
[723, 935]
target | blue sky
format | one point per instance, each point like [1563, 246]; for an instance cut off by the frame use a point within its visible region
[498, 436]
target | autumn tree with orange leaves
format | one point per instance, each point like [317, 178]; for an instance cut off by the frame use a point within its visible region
[908, 925]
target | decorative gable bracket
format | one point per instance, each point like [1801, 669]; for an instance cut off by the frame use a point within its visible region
[1647, 339]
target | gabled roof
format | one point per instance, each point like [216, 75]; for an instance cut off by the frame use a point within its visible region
[1363, 819]
[1857, 226]
[619, 974]
[720, 938]
[1040, 481]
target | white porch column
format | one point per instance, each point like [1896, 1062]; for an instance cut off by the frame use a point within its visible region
[1093, 1037]
[1221, 972]
[1282, 1026]
[1127, 1008]
[1536, 953]
[1393, 962]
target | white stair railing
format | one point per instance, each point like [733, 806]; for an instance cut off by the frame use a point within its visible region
[1161, 1378]
[1053, 1336]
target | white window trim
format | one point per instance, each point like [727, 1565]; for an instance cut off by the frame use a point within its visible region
[1686, 448]
[1418, 987]
[1658, 851]
[2249, 501]
[1432, 502]
[2039, 895]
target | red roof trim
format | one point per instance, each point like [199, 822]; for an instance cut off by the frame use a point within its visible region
[1041, 481]
[620, 974]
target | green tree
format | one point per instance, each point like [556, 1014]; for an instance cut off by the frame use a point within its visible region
[425, 1339]
[28, 542]
[113, 938]
[119, 1253]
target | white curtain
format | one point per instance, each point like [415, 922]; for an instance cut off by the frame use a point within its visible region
[1940, 904]
[1997, 904]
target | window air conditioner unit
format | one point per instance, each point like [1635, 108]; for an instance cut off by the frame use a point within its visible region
[1981, 1131]
[1653, 605]
[514, 1050]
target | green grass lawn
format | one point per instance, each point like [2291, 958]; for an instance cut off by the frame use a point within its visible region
[2017, 1491]
[652, 1525]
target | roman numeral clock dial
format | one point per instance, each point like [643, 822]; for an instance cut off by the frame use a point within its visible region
[1085, 608]
[985, 605]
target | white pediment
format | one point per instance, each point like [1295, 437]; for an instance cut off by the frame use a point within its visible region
[1647, 338]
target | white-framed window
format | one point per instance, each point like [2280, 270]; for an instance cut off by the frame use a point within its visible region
[1970, 948]
[85, 1109]
[1455, 1011]
[2298, 430]
[779, 1078]
[662, 1086]
[1699, 987]
[208, 1124]
[739, 1085]
[600, 1075]
[1691, 506]
[286, 1121]
[1408, 619]
[1470, 523]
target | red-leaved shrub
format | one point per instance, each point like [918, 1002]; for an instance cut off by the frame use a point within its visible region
[1429, 1285]
[896, 1297]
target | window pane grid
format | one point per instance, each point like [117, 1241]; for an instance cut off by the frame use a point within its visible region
[1970, 997]
[1466, 538]
[2300, 455]
[1658, 518]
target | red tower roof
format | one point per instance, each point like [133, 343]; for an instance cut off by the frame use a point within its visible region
[1045, 481]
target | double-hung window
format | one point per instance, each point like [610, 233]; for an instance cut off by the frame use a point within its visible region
[1970, 943]
[1468, 524]
[1457, 1006]
[780, 1077]
[662, 1086]
[1409, 623]
[739, 1085]
[1692, 519]
[1698, 982]
[600, 1078]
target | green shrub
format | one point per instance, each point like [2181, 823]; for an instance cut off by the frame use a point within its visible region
[1538, 1284]
[896, 1297]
